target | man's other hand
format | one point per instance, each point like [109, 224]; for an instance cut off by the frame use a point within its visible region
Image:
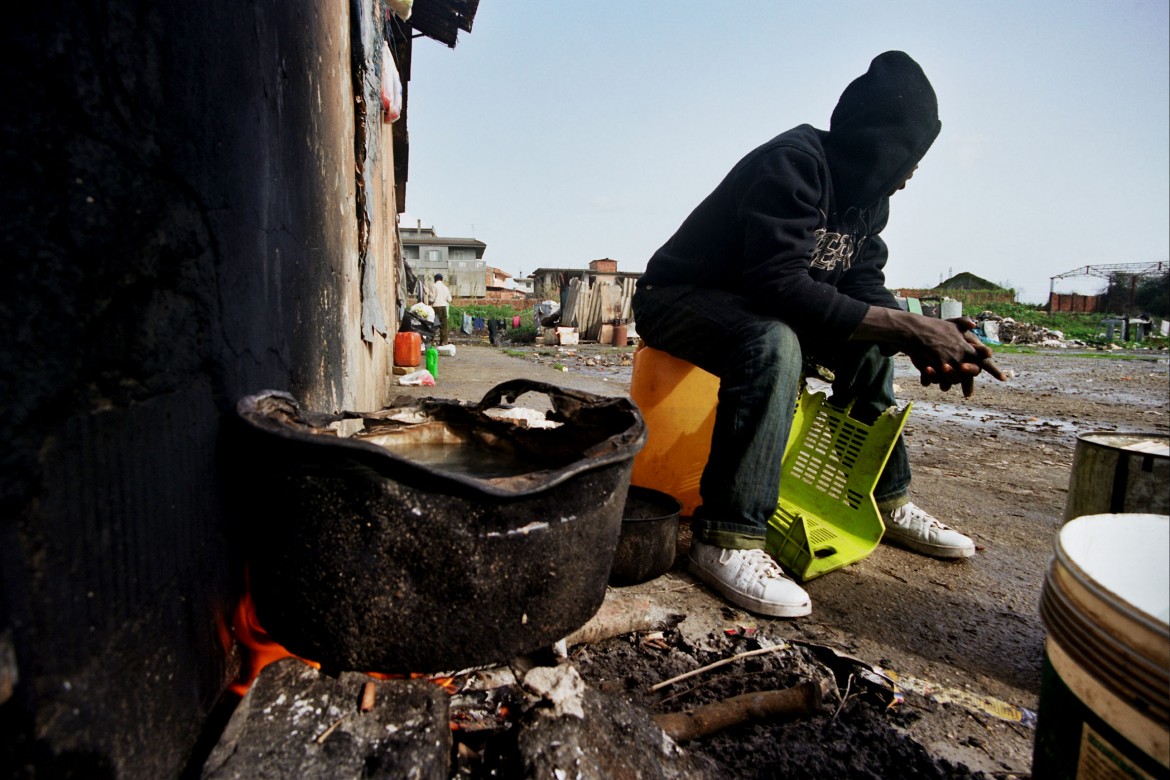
[977, 359]
[945, 352]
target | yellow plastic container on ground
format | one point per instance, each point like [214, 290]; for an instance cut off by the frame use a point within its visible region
[677, 400]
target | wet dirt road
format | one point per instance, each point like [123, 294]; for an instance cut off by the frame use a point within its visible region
[995, 466]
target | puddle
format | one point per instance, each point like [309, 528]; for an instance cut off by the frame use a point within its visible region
[958, 415]
[977, 417]
[1113, 382]
[1108, 381]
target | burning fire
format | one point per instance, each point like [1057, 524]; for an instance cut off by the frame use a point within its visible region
[260, 650]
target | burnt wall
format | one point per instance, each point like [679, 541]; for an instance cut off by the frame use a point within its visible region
[178, 230]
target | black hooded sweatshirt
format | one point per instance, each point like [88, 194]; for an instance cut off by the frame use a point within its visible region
[794, 227]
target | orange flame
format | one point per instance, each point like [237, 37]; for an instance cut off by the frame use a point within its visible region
[260, 650]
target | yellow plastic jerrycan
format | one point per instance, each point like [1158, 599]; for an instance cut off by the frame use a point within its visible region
[677, 400]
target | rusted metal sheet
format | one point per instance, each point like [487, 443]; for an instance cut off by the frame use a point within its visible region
[443, 19]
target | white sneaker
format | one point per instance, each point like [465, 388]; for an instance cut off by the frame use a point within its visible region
[750, 579]
[917, 530]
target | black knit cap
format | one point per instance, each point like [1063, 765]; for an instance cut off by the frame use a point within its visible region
[883, 124]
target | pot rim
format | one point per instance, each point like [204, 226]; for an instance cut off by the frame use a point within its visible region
[655, 496]
[619, 447]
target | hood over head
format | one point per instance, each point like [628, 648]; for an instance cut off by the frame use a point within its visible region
[882, 126]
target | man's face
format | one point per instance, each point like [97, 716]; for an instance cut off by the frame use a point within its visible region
[902, 186]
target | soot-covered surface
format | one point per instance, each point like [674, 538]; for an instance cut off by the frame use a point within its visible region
[860, 737]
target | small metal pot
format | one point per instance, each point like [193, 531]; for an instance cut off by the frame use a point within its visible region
[648, 537]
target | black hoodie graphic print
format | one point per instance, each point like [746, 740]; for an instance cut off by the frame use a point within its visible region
[794, 228]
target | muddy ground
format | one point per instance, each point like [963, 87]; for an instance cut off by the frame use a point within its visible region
[964, 638]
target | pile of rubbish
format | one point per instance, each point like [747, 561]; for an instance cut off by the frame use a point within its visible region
[993, 329]
[1116, 331]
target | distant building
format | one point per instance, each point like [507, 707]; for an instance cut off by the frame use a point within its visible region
[547, 283]
[460, 260]
[501, 286]
[498, 279]
[589, 298]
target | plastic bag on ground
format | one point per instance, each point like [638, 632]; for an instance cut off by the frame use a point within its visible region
[421, 377]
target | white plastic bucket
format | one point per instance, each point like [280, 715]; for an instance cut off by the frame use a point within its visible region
[949, 309]
[1105, 693]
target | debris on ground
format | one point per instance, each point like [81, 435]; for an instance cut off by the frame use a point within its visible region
[965, 639]
[592, 359]
[994, 329]
[818, 729]
[1005, 330]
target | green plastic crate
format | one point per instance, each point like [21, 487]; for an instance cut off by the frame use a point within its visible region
[826, 517]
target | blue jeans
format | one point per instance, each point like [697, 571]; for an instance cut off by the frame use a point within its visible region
[760, 364]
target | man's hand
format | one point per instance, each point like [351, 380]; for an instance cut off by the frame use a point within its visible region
[974, 362]
[945, 352]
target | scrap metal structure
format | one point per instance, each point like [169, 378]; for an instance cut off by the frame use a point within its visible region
[1107, 271]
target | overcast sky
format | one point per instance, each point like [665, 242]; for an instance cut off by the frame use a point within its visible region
[559, 133]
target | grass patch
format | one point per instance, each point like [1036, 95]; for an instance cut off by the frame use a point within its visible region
[1088, 328]
[1082, 327]
[1073, 352]
[1148, 357]
[492, 313]
[525, 334]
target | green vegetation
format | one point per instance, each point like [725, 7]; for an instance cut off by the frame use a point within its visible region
[525, 334]
[1082, 327]
[1145, 354]
[1126, 295]
[492, 313]
[1151, 294]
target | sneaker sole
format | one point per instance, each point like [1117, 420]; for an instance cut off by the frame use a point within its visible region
[933, 550]
[750, 603]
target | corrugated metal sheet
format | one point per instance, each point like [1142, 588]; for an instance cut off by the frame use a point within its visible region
[443, 19]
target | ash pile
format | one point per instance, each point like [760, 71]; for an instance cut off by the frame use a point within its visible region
[658, 701]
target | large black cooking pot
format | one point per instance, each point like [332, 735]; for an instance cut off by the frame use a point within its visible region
[368, 551]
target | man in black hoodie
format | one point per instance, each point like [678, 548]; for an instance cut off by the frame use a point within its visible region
[779, 267]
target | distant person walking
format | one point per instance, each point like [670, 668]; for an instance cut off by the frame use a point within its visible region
[440, 300]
